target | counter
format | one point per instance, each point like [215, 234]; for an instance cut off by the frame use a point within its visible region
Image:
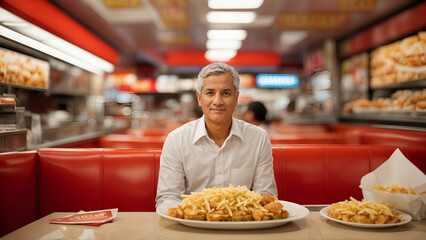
[60, 136]
[149, 225]
[13, 140]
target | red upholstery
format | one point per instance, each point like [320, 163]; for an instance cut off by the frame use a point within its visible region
[278, 168]
[129, 179]
[18, 196]
[417, 156]
[153, 132]
[379, 154]
[306, 138]
[157, 154]
[303, 174]
[69, 180]
[393, 138]
[299, 128]
[88, 143]
[128, 141]
[344, 170]
[368, 135]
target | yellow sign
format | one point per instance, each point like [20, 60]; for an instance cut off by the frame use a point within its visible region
[312, 20]
[356, 5]
[173, 13]
[122, 3]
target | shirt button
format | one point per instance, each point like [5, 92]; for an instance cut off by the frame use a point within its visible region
[219, 173]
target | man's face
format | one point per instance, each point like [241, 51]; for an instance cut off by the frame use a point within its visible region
[218, 98]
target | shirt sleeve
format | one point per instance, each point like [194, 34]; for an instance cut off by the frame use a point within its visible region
[264, 179]
[171, 177]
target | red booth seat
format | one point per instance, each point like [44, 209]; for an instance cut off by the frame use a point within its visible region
[130, 141]
[369, 135]
[37, 183]
[18, 190]
[152, 132]
[307, 138]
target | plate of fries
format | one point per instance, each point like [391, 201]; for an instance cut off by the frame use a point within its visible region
[231, 208]
[365, 214]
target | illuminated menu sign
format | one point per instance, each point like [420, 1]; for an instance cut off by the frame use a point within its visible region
[277, 80]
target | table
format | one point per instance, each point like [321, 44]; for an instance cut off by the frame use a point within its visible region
[149, 225]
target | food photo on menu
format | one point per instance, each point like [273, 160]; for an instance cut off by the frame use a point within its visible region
[22, 70]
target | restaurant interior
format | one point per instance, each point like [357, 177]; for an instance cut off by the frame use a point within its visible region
[105, 81]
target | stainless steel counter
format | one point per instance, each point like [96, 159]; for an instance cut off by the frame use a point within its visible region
[74, 132]
[13, 140]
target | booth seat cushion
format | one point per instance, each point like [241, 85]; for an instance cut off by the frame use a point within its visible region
[130, 141]
[129, 179]
[306, 138]
[18, 180]
[393, 138]
[369, 135]
[69, 180]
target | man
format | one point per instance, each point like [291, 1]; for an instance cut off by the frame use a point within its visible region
[216, 149]
[256, 114]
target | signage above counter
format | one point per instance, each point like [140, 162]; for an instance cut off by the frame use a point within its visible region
[277, 80]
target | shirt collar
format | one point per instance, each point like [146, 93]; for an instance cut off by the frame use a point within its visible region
[201, 130]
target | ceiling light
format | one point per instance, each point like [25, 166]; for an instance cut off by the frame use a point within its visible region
[230, 17]
[290, 38]
[227, 34]
[223, 44]
[220, 55]
[235, 4]
[43, 41]
[14, 36]
[15, 24]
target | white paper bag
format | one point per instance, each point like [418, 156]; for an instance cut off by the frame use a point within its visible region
[397, 170]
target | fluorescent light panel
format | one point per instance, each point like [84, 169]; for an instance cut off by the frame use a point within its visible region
[220, 55]
[235, 4]
[223, 44]
[290, 38]
[43, 41]
[14, 36]
[227, 34]
[230, 17]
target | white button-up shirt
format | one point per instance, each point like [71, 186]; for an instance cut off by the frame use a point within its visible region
[191, 161]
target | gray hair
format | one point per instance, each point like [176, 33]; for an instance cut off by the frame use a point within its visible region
[218, 68]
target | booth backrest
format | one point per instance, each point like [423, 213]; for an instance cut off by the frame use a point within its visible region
[131, 141]
[369, 135]
[18, 190]
[34, 184]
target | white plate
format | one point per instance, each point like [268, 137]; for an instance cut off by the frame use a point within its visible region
[296, 212]
[406, 219]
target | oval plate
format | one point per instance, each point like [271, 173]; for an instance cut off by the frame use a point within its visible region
[296, 212]
[406, 219]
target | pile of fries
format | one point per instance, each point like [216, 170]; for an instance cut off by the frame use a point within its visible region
[229, 204]
[394, 188]
[364, 212]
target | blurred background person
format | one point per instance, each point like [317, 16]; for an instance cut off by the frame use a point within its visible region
[256, 114]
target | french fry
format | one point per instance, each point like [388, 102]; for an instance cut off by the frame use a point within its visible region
[394, 188]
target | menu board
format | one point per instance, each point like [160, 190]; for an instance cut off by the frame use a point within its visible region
[21, 70]
[401, 61]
